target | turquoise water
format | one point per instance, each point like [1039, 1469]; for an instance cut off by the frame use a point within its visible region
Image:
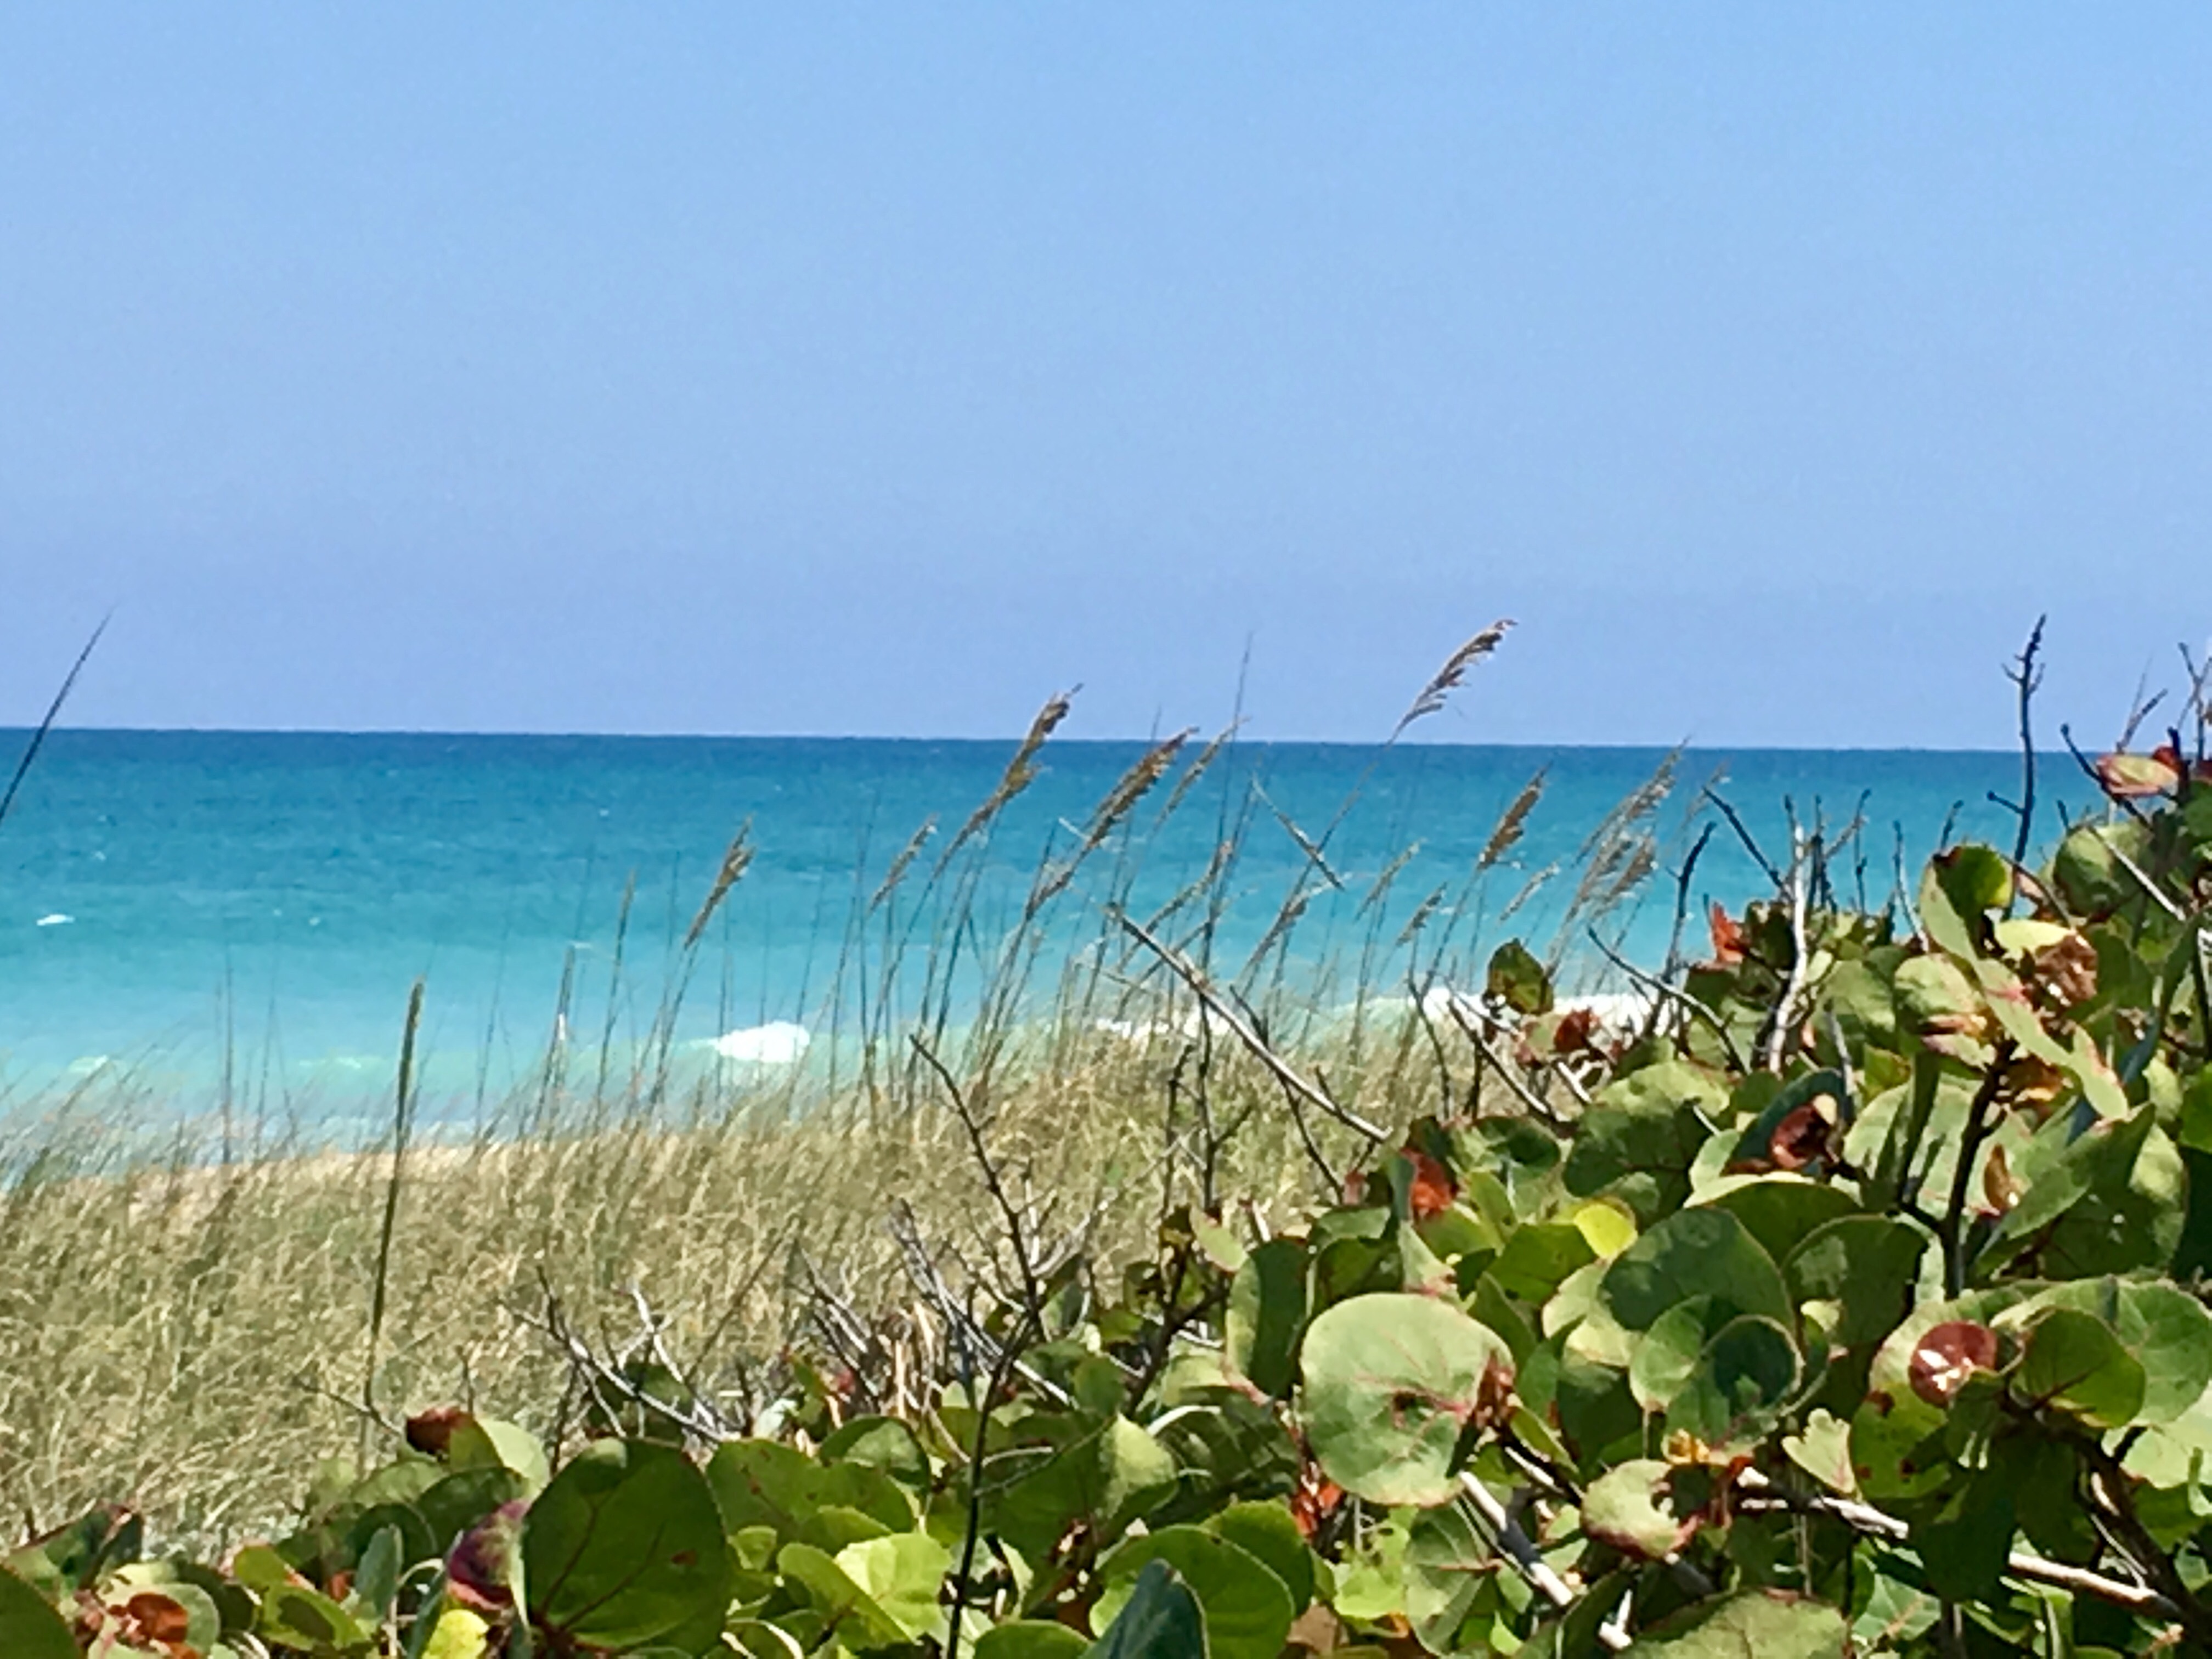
[244, 912]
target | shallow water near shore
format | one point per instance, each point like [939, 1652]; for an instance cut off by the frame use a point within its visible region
[239, 916]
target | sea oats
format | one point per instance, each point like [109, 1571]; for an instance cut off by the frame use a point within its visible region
[1453, 674]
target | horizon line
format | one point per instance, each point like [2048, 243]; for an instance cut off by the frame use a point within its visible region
[1687, 747]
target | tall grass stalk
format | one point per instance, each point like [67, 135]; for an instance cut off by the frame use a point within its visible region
[402, 1123]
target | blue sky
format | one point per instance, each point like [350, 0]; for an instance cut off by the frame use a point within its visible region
[822, 368]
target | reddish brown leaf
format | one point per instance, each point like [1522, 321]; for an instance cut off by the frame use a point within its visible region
[1317, 1629]
[1805, 1133]
[1432, 1188]
[431, 1432]
[2067, 971]
[1314, 1499]
[2134, 777]
[1576, 1034]
[1494, 1401]
[1946, 1356]
[2035, 1082]
[156, 1620]
[480, 1571]
[2000, 1186]
[1728, 936]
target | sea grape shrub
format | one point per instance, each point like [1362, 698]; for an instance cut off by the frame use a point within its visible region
[1853, 1306]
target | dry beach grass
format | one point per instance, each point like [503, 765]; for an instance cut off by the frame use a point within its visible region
[191, 1338]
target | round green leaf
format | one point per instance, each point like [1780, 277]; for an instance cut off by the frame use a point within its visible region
[491, 1442]
[881, 1443]
[1666, 1356]
[1390, 1381]
[1632, 1507]
[1075, 1468]
[1780, 1210]
[29, 1627]
[1865, 1264]
[1159, 1620]
[1694, 1252]
[2074, 1361]
[847, 1610]
[625, 1548]
[1976, 879]
[1268, 1531]
[761, 1483]
[293, 1616]
[1029, 1638]
[1448, 1564]
[1742, 1378]
[2087, 868]
[1267, 1314]
[1539, 1255]
[1638, 1142]
[902, 1574]
[1934, 994]
[1247, 1610]
[2167, 1330]
[1766, 1623]
[1518, 979]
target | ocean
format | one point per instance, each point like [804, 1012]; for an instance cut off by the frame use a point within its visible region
[239, 916]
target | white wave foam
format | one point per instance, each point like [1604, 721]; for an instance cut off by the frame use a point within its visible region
[1183, 1024]
[778, 1043]
[1619, 1014]
[55, 919]
[1442, 1002]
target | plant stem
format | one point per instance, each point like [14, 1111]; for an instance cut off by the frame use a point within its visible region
[402, 1123]
[1970, 1145]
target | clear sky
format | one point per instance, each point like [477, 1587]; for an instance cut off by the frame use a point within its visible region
[717, 368]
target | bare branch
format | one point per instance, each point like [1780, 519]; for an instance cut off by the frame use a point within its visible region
[1307, 845]
[1241, 1029]
[1681, 999]
[2026, 673]
[1743, 834]
[1515, 1545]
[1755, 1493]
[1017, 1237]
[1782, 1022]
[1527, 1096]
